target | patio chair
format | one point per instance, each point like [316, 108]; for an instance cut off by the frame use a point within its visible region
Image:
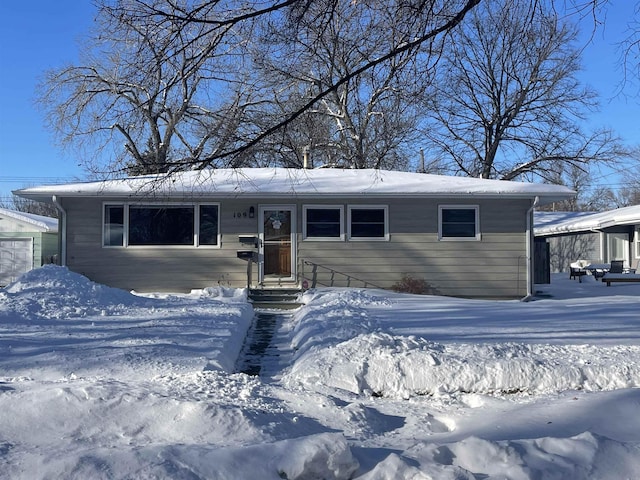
[616, 266]
[576, 270]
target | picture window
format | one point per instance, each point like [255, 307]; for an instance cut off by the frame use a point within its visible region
[138, 225]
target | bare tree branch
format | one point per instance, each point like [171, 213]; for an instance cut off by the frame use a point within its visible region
[393, 52]
[508, 104]
[172, 79]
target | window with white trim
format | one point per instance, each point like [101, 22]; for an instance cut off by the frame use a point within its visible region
[160, 225]
[138, 225]
[208, 225]
[368, 222]
[637, 234]
[113, 226]
[323, 222]
[458, 222]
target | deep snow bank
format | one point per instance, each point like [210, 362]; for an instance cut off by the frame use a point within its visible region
[140, 386]
[53, 292]
[581, 457]
[68, 324]
[322, 456]
[341, 346]
[330, 316]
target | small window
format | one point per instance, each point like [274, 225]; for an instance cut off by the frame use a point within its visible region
[208, 225]
[161, 225]
[459, 222]
[113, 226]
[368, 222]
[323, 222]
[637, 242]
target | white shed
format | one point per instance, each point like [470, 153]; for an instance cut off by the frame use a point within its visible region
[27, 241]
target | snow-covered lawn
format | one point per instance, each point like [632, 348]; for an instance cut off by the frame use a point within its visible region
[101, 383]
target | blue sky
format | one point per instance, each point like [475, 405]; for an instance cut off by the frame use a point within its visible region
[35, 36]
[41, 34]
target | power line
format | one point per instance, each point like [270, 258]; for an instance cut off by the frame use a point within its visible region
[46, 180]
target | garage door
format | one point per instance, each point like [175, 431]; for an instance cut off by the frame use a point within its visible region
[16, 258]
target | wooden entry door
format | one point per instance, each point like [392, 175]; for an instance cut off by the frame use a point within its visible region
[278, 253]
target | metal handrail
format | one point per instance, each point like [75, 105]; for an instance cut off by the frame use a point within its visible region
[349, 278]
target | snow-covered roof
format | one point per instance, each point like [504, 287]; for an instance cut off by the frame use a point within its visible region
[42, 223]
[545, 219]
[594, 221]
[278, 182]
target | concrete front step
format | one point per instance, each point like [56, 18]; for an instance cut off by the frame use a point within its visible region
[276, 305]
[275, 298]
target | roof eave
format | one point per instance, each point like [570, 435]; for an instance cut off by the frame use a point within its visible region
[47, 196]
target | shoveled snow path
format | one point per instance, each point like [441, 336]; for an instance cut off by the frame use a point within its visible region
[266, 351]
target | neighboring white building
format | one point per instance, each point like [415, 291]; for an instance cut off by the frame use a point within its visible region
[598, 237]
[27, 241]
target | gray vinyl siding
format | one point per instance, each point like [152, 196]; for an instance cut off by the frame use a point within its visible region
[571, 248]
[492, 267]
[177, 269]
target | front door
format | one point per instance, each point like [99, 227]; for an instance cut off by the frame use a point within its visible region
[277, 243]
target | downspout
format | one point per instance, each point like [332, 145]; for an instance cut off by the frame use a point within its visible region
[62, 231]
[529, 295]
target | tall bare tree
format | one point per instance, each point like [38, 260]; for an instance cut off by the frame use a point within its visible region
[147, 87]
[167, 84]
[630, 48]
[367, 121]
[507, 103]
[170, 84]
